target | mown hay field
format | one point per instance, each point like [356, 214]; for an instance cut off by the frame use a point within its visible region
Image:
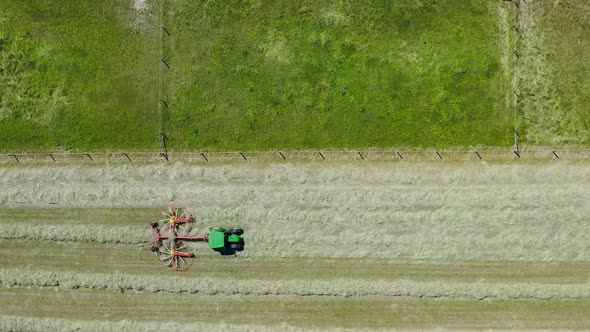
[329, 245]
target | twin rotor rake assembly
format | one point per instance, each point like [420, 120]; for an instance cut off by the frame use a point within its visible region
[172, 233]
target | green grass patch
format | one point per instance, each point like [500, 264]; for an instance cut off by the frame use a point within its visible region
[77, 75]
[554, 83]
[296, 74]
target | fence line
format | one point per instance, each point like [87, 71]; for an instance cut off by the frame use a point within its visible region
[304, 155]
[161, 100]
[515, 72]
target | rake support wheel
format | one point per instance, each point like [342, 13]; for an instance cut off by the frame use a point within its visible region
[175, 255]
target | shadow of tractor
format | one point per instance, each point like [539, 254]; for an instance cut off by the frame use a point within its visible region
[231, 248]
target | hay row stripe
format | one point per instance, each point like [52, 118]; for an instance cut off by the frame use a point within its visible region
[350, 216]
[77, 233]
[16, 323]
[338, 287]
[454, 241]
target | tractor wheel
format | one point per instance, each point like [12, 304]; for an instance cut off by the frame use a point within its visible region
[236, 231]
[236, 246]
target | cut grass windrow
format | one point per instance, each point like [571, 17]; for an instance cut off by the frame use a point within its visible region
[16, 323]
[340, 287]
[79, 233]
[237, 75]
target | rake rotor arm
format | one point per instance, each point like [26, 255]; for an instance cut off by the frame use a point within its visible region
[196, 238]
[182, 254]
[182, 220]
[159, 237]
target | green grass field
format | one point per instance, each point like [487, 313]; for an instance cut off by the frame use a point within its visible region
[255, 74]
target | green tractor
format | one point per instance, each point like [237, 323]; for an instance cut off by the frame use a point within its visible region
[170, 237]
[223, 240]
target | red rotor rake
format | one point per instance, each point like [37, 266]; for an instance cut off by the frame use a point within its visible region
[168, 240]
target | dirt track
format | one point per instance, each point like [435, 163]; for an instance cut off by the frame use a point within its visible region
[514, 234]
